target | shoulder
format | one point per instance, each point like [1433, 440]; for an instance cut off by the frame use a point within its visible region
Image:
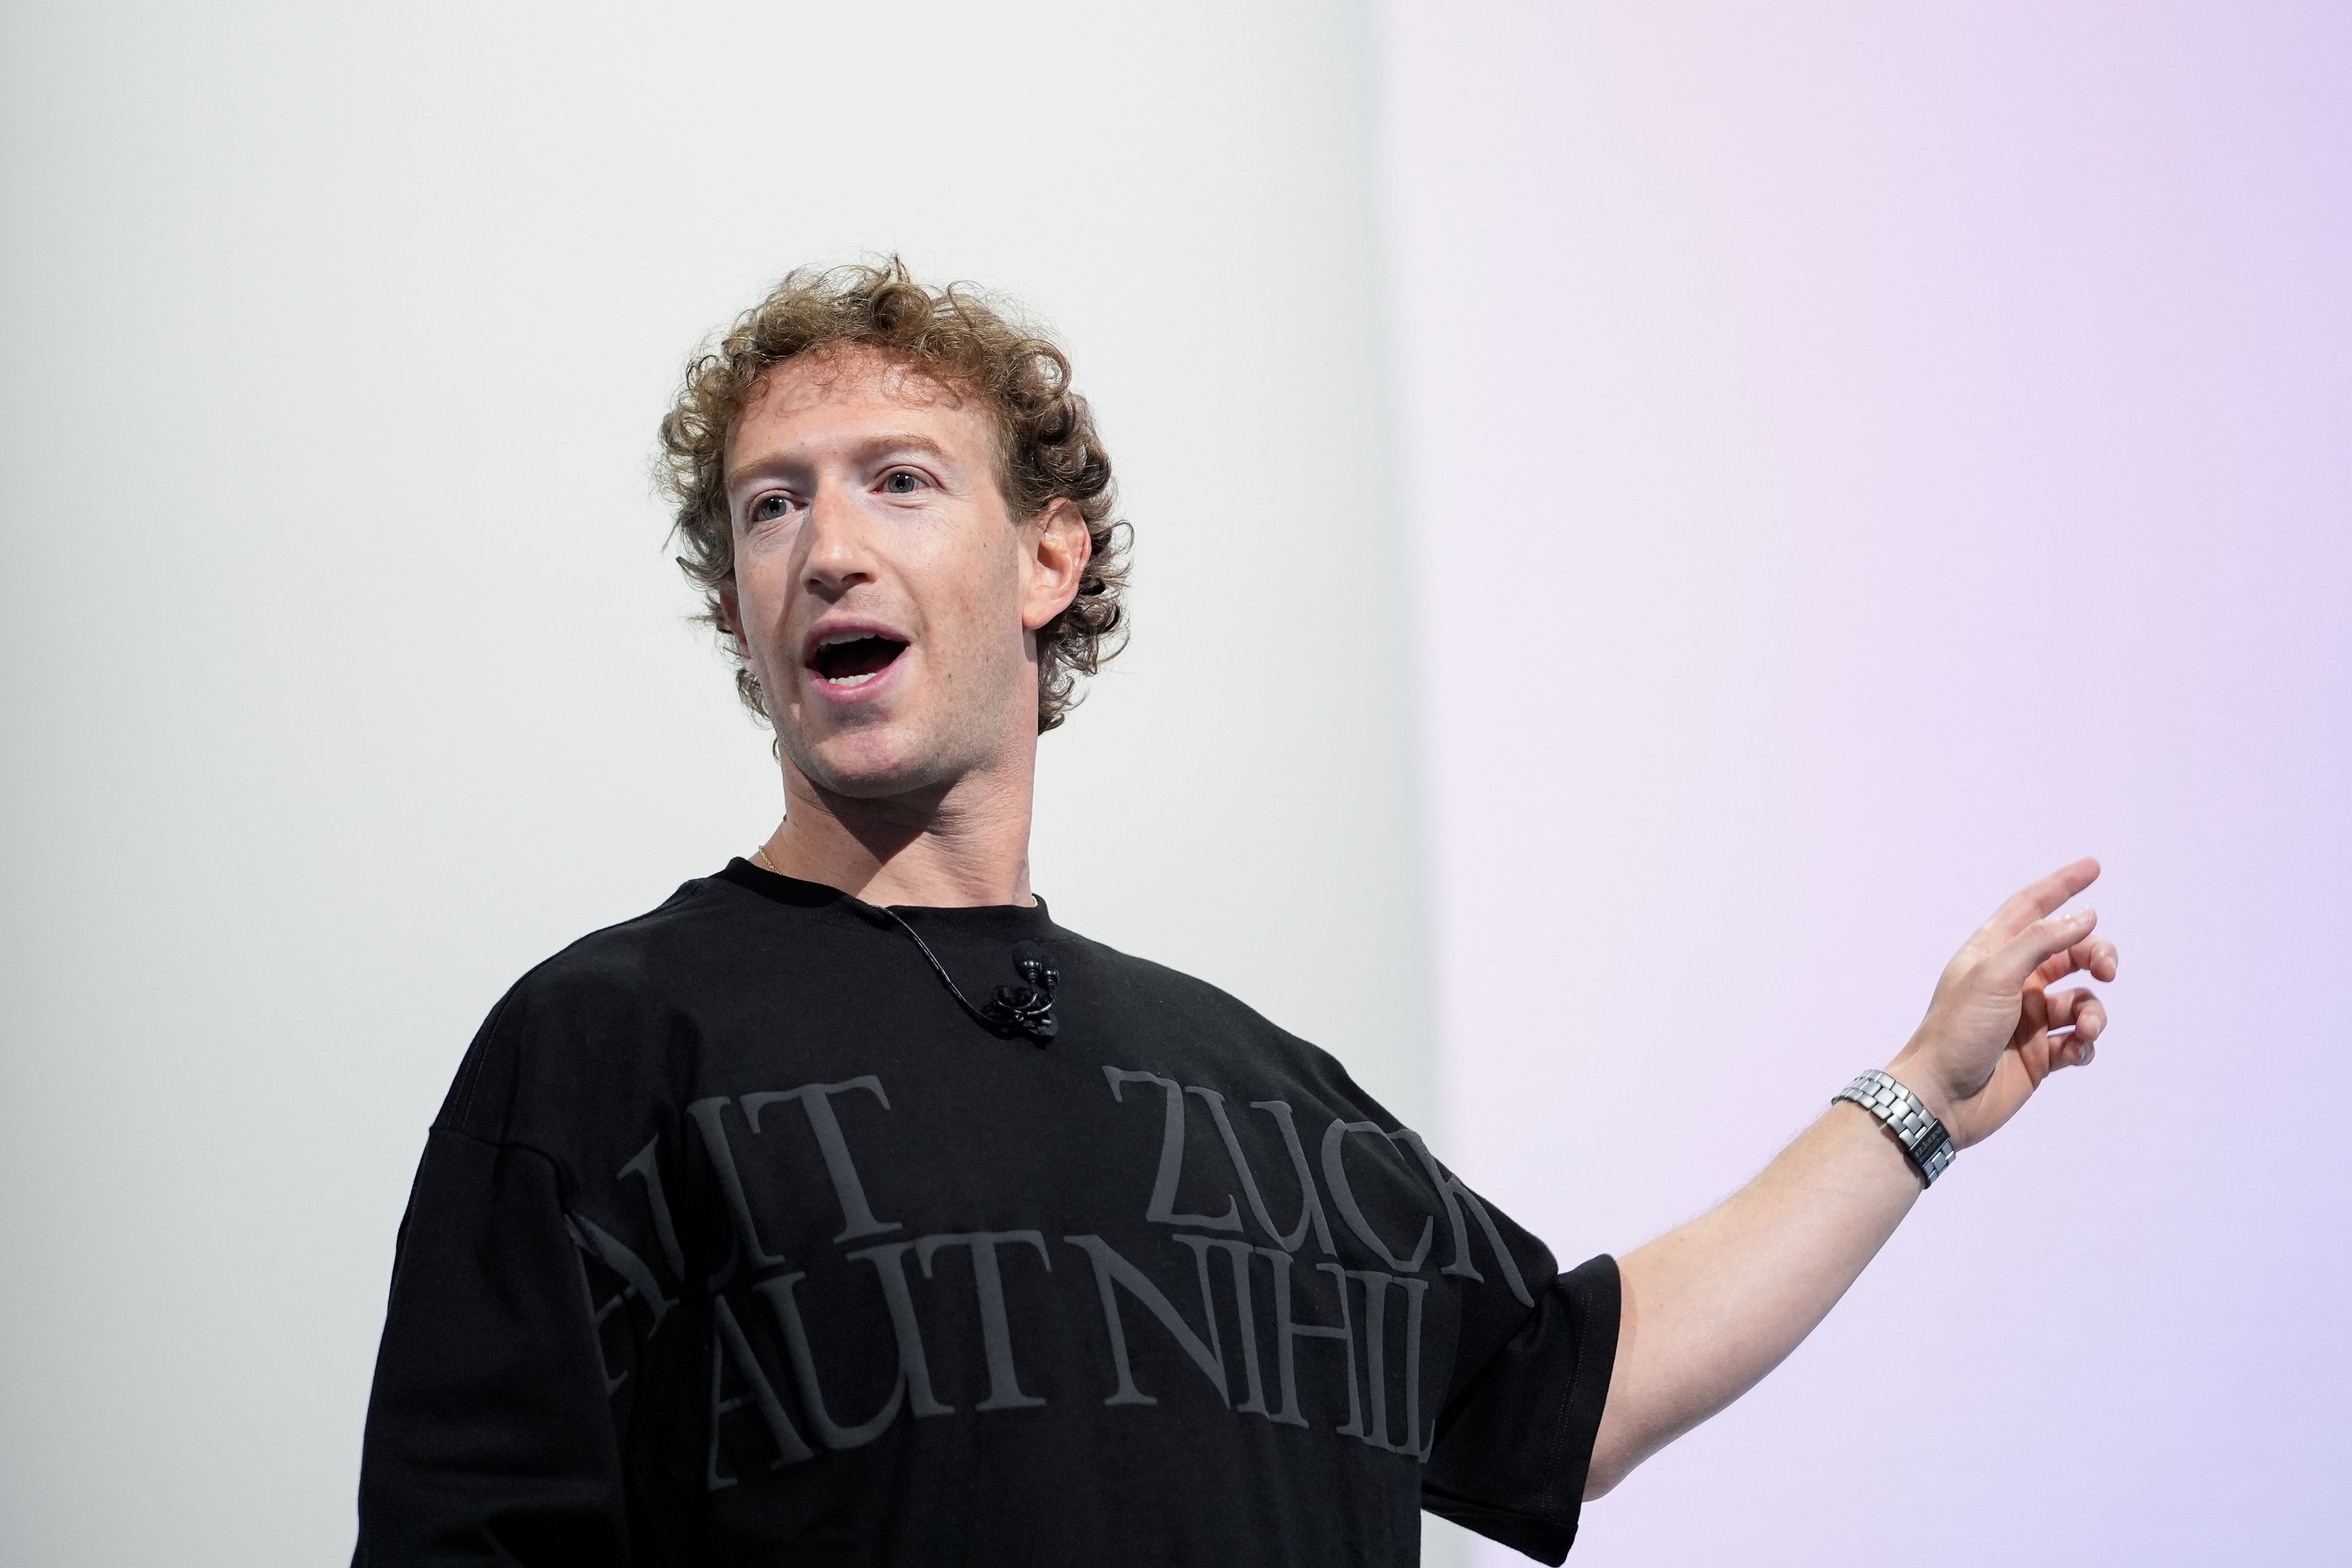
[1195, 1018]
[637, 966]
[612, 1011]
[1126, 980]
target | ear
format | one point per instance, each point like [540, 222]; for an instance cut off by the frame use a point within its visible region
[1056, 548]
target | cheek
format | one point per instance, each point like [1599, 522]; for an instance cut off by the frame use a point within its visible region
[974, 597]
[763, 577]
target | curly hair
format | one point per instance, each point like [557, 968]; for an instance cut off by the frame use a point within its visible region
[970, 344]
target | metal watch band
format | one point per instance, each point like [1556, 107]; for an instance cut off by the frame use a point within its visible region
[1925, 1141]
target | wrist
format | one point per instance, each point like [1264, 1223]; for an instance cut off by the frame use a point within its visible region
[1926, 1141]
[1910, 1068]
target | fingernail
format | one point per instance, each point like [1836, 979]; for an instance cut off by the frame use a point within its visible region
[2086, 916]
[2088, 1052]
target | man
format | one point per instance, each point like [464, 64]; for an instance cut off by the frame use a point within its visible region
[847, 1209]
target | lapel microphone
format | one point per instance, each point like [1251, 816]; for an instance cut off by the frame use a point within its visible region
[1027, 1009]
[1014, 1010]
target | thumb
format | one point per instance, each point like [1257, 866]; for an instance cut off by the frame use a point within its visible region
[2026, 951]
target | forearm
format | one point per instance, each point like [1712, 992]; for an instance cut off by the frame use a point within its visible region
[1710, 1308]
[1711, 1305]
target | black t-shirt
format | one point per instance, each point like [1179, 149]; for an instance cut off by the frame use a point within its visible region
[740, 1241]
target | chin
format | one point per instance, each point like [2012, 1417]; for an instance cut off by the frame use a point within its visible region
[871, 762]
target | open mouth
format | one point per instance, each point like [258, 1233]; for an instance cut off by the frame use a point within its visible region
[854, 658]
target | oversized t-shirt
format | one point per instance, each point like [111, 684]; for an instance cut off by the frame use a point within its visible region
[739, 1240]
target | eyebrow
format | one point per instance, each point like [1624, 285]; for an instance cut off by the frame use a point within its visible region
[895, 441]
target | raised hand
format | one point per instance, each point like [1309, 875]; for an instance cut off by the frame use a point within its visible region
[1994, 1029]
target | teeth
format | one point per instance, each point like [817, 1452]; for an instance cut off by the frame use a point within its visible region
[840, 638]
[851, 679]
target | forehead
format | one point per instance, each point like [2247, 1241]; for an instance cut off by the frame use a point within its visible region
[835, 395]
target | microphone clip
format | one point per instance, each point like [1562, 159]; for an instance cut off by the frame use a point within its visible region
[1027, 1009]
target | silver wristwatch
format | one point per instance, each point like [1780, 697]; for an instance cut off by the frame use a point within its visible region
[1925, 1141]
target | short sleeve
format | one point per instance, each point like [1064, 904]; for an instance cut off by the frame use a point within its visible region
[488, 1437]
[1514, 1446]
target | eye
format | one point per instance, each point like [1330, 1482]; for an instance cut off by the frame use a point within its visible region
[902, 482]
[768, 508]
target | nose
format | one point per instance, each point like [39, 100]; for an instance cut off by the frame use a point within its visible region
[838, 559]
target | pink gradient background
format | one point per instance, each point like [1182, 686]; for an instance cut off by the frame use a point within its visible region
[1859, 458]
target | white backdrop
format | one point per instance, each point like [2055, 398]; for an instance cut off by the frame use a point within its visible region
[347, 675]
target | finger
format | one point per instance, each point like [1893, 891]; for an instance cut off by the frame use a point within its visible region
[2079, 1009]
[2068, 1052]
[2072, 1051]
[2096, 957]
[2037, 898]
[2030, 948]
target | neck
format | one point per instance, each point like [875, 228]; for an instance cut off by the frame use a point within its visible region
[953, 845]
